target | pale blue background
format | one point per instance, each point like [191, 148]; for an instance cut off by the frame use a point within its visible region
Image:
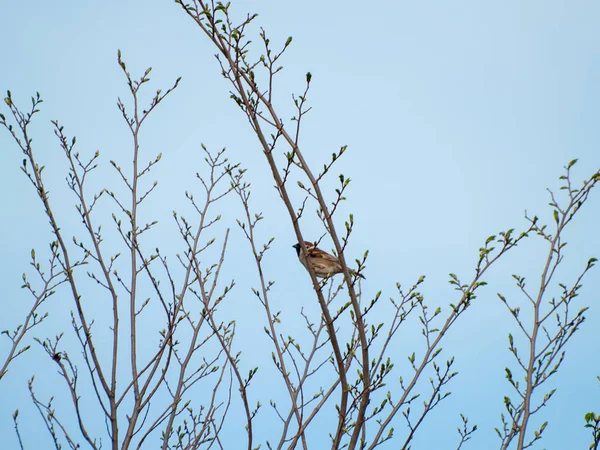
[458, 115]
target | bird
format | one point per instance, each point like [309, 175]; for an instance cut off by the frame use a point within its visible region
[322, 262]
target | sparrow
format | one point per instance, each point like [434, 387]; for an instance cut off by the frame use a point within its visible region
[322, 262]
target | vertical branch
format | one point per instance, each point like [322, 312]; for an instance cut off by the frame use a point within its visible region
[242, 190]
[134, 123]
[76, 180]
[206, 293]
[487, 257]
[34, 173]
[227, 39]
[545, 346]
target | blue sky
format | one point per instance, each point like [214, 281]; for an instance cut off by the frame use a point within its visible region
[457, 115]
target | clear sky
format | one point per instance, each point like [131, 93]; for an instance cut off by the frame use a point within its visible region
[457, 115]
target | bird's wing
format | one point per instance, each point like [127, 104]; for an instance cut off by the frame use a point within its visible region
[320, 265]
[319, 254]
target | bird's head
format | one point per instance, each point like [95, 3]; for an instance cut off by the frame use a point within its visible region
[307, 244]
